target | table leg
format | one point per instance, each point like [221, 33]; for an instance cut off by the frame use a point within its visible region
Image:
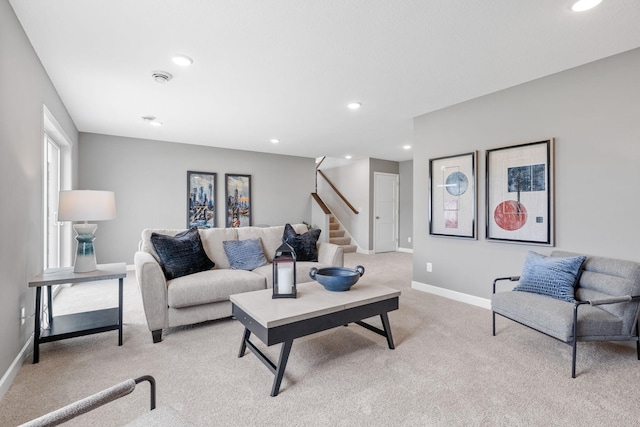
[120, 283]
[36, 328]
[387, 329]
[282, 364]
[50, 304]
[245, 338]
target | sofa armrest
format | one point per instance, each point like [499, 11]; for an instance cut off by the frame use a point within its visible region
[330, 254]
[153, 288]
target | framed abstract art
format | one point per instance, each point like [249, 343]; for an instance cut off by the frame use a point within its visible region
[520, 193]
[452, 201]
[238, 200]
[201, 199]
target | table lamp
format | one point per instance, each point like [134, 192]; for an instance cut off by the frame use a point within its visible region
[86, 205]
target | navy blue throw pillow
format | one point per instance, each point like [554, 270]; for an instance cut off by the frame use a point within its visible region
[552, 276]
[245, 254]
[181, 254]
[305, 245]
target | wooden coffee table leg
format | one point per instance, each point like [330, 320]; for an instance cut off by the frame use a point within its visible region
[282, 364]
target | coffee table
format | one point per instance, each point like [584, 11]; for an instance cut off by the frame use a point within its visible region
[315, 309]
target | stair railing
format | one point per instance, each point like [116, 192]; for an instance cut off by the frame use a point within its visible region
[344, 199]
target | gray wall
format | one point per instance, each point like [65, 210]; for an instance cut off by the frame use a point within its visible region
[593, 112]
[149, 179]
[24, 88]
[405, 227]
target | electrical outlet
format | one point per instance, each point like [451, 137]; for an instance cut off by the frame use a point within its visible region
[22, 316]
[409, 239]
[429, 267]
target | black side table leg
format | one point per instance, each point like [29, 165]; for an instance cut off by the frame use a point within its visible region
[50, 304]
[282, 364]
[36, 328]
[120, 283]
[387, 329]
[245, 338]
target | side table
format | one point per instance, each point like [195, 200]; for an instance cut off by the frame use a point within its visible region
[76, 324]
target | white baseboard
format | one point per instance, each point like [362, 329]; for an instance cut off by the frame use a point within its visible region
[407, 250]
[9, 376]
[454, 295]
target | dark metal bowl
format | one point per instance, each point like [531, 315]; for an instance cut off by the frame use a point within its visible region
[336, 279]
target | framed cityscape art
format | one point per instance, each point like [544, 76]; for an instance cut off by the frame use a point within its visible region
[238, 200]
[201, 199]
[520, 193]
[452, 201]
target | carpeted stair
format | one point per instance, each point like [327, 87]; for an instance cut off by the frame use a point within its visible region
[337, 236]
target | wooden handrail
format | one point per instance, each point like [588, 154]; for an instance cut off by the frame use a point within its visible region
[344, 199]
[322, 205]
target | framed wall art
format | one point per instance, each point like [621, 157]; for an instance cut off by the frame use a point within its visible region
[452, 201]
[238, 200]
[201, 199]
[520, 193]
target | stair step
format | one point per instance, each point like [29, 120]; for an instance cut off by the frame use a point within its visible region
[336, 233]
[349, 248]
[340, 240]
[334, 226]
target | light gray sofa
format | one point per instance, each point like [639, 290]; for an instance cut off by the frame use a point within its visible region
[606, 308]
[205, 295]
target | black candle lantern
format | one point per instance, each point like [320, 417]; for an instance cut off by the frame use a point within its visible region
[284, 272]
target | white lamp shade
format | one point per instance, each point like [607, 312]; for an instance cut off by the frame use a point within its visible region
[86, 205]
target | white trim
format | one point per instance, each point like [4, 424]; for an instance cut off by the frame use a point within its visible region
[407, 250]
[457, 296]
[10, 375]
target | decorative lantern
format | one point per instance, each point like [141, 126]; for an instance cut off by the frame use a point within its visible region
[284, 272]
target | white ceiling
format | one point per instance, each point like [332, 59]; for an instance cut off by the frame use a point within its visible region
[287, 68]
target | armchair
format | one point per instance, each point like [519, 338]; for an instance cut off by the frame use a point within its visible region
[606, 306]
[164, 416]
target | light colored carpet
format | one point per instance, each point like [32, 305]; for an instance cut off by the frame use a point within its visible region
[446, 370]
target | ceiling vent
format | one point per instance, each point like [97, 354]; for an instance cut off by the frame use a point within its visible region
[161, 76]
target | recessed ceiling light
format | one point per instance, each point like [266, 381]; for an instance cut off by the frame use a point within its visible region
[274, 140]
[182, 60]
[582, 5]
[348, 157]
[406, 147]
[354, 105]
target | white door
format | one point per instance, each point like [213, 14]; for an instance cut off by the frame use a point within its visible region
[385, 190]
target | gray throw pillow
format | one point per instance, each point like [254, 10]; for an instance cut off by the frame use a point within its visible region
[305, 245]
[245, 254]
[552, 276]
[181, 254]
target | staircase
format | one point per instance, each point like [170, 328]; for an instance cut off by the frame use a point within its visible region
[337, 236]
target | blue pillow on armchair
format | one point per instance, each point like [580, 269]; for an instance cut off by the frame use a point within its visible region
[552, 276]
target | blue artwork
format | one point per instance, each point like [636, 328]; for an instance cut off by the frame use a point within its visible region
[526, 178]
[457, 184]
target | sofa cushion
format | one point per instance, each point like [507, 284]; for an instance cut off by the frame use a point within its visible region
[211, 286]
[305, 245]
[271, 237]
[244, 254]
[212, 239]
[551, 276]
[181, 254]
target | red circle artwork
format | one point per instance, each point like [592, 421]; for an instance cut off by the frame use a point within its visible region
[510, 215]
